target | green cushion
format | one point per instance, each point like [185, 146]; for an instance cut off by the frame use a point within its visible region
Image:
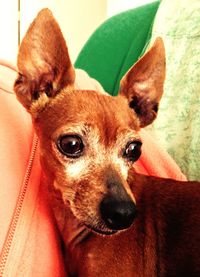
[116, 45]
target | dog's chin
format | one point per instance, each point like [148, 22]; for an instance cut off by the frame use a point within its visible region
[98, 231]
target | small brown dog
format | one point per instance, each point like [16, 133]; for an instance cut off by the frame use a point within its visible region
[89, 142]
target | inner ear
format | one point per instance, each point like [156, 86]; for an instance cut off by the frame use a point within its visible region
[143, 84]
[145, 109]
[43, 61]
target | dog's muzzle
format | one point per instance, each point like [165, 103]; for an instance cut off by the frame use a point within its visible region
[118, 214]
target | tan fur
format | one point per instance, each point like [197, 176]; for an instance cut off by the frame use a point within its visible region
[80, 185]
[103, 144]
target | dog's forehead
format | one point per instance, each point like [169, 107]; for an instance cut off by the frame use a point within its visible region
[93, 108]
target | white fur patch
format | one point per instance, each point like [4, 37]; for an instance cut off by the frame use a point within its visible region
[83, 166]
[76, 169]
[121, 165]
[97, 156]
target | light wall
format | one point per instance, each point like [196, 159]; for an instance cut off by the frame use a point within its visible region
[116, 6]
[8, 29]
[77, 19]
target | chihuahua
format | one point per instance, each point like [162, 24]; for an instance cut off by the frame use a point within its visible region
[113, 221]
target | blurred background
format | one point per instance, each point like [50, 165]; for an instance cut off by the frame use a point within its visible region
[77, 19]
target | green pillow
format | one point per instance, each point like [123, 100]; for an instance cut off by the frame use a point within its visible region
[116, 45]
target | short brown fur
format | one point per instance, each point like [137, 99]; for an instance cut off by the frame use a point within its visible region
[84, 185]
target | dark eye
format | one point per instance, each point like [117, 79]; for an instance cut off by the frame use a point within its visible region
[70, 145]
[133, 150]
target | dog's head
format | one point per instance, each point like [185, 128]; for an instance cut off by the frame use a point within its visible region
[88, 140]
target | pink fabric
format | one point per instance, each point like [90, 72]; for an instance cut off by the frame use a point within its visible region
[155, 161]
[29, 244]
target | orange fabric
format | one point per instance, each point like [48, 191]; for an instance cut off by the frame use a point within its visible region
[29, 244]
[155, 161]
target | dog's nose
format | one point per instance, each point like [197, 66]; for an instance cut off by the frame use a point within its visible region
[117, 214]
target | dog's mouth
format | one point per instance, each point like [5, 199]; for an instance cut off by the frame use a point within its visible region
[112, 216]
[114, 219]
[100, 231]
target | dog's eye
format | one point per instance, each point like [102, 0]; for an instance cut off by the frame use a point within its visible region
[70, 145]
[133, 150]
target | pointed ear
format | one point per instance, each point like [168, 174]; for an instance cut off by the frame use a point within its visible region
[43, 61]
[143, 83]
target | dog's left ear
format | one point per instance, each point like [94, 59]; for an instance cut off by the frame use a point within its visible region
[143, 83]
[43, 61]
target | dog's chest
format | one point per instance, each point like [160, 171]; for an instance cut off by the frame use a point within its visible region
[120, 255]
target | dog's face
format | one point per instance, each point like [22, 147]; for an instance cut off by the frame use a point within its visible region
[88, 140]
[88, 146]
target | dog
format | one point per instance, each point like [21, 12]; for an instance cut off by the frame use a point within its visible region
[113, 221]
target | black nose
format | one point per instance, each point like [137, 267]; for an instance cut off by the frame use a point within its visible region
[117, 214]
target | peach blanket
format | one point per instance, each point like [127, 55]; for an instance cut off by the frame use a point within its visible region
[29, 243]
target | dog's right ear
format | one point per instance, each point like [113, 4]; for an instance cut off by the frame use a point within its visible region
[143, 84]
[43, 61]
